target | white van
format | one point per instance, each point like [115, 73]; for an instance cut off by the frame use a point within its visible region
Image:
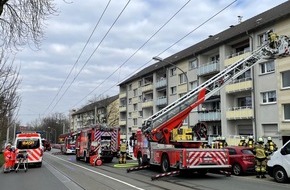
[31, 143]
[278, 165]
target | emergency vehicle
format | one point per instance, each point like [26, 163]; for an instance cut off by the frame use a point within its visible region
[162, 140]
[97, 143]
[68, 143]
[32, 144]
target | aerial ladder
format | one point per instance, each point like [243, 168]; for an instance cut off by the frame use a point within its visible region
[157, 127]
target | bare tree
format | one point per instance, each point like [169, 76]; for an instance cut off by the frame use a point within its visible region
[9, 98]
[22, 21]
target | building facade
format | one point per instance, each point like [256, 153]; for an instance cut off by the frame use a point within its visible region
[104, 111]
[256, 103]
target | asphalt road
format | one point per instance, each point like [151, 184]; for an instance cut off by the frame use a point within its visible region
[64, 172]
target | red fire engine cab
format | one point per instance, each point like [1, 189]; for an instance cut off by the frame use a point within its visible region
[98, 142]
[68, 143]
[164, 142]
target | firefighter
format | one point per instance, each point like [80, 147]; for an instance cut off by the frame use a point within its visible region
[7, 158]
[270, 146]
[251, 142]
[222, 143]
[213, 143]
[261, 158]
[123, 152]
[273, 38]
[13, 158]
[242, 142]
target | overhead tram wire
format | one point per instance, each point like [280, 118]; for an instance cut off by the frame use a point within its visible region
[97, 24]
[135, 52]
[91, 54]
[168, 47]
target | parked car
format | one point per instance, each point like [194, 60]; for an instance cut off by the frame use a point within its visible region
[278, 165]
[46, 144]
[242, 159]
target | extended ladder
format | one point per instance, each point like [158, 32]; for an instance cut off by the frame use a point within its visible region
[168, 115]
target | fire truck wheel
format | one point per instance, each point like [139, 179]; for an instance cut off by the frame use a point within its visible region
[77, 157]
[165, 165]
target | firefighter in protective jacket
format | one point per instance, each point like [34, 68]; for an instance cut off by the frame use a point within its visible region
[7, 158]
[123, 152]
[242, 142]
[251, 142]
[270, 146]
[261, 158]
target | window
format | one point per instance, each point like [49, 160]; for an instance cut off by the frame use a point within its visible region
[245, 75]
[192, 64]
[286, 79]
[173, 71]
[140, 114]
[268, 97]
[267, 67]
[135, 107]
[215, 59]
[261, 39]
[192, 85]
[135, 92]
[140, 98]
[134, 121]
[245, 101]
[173, 90]
[130, 114]
[286, 112]
[130, 100]
[182, 78]
[139, 83]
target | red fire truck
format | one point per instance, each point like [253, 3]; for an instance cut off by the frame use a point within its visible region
[98, 143]
[162, 140]
[68, 141]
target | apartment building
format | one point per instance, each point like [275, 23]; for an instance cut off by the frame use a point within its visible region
[105, 111]
[257, 103]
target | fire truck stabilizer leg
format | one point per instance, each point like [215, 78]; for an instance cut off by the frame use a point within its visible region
[173, 173]
[137, 168]
[225, 172]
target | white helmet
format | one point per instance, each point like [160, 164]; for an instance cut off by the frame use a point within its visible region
[223, 138]
[124, 141]
[260, 140]
[269, 138]
[242, 138]
[251, 137]
[8, 144]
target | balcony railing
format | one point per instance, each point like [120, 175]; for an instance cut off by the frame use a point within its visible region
[122, 108]
[240, 85]
[211, 115]
[208, 68]
[245, 112]
[161, 101]
[161, 83]
[236, 57]
[147, 87]
[147, 103]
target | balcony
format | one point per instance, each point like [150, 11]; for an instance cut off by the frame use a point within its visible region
[208, 68]
[240, 85]
[122, 95]
[122, 108]
[148, 103]
[237, 57]
[161, 83]
[212, 115]
[147, 87]
[240, 113]
[161, 101]
[122, 122]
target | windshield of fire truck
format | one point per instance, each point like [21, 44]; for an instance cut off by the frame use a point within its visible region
[71, 141]
[29, 143]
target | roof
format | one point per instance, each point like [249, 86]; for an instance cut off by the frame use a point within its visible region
[98, 104]
[253, 24]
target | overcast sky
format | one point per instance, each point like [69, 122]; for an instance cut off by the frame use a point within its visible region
[124, 40]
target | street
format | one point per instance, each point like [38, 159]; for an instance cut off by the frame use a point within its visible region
[63, 172]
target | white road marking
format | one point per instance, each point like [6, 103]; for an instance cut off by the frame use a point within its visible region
[104, 175]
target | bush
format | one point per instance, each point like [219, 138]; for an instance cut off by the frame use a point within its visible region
[1, 159]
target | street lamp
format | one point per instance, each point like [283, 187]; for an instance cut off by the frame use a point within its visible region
[54, 134]
[162, 60]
